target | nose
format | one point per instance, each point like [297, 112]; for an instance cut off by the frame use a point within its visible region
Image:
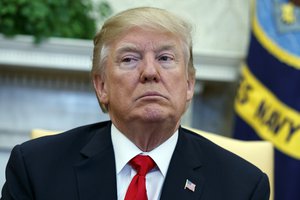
[150, 71]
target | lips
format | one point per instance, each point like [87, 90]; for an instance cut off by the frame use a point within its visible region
[151, 95]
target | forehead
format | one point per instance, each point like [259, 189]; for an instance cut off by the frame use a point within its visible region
[137, 39]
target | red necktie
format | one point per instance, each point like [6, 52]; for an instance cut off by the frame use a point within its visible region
[137, 186]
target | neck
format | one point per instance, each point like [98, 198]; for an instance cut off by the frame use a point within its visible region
[148, 136]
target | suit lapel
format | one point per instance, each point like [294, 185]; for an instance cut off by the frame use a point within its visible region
[185, 165]
[96, 173]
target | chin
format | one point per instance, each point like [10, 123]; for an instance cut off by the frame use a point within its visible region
[153, 118]
[154, 115]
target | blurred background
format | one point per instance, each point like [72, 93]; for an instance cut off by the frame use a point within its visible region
[45, 60]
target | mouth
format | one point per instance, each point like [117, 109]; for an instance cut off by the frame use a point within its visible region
[151, 96]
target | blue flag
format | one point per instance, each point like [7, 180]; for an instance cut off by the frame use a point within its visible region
[267, 104]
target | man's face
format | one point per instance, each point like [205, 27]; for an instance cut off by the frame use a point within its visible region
[145, 79]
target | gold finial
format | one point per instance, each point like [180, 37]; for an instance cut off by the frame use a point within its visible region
[288, 13]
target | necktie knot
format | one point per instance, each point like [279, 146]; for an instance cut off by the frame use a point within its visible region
[142, 164]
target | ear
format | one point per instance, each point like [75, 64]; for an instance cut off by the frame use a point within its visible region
[100, 88]
[190, 88]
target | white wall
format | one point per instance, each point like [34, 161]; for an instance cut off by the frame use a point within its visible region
[221, 26]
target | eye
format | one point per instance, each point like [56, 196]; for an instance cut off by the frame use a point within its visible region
[129, 62]
[165, 58]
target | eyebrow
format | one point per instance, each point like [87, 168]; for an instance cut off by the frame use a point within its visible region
[166, 47]
[129, 47]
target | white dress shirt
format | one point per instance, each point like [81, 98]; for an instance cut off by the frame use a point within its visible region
[125, 150]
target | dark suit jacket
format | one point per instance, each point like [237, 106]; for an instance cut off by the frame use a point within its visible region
[80, 165]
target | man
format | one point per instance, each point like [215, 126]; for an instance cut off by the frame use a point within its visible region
[144, 78]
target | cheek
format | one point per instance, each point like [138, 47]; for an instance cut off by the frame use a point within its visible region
[180, 88]
[121, 86]
[177, 80]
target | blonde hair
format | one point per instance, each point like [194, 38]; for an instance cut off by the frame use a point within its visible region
[147, 18]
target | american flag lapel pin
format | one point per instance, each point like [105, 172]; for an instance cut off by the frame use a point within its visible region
[189, 185]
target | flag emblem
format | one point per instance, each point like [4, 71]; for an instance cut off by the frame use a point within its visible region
[189, 185]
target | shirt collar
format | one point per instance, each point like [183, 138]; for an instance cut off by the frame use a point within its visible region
[125, 150]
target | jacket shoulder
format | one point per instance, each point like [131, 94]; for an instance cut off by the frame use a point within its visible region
[227, 170]
[66, 141]
[217, 154]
